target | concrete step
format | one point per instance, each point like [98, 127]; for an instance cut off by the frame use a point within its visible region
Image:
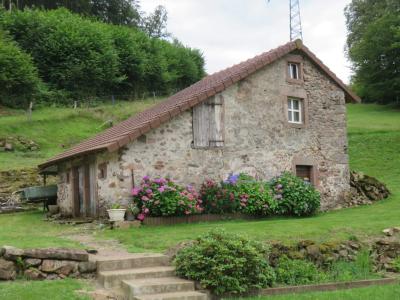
[110, 279]
[191, 295]
[162, 285]
[130, 261]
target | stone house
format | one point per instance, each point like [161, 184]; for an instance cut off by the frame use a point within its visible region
[283, 110]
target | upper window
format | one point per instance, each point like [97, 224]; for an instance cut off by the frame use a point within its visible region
[294, 71]
[208, 124]
[295, 111]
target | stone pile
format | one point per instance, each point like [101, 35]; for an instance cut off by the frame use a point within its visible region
[385, 252]
[322, 254]
[44, 264]
[365, 190]
[18, 143]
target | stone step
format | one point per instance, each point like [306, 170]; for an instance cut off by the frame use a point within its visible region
[163, 285]
[191, 295]
[131, 261]
[110, 279]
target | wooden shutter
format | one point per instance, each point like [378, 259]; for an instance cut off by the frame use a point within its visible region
[208, 124]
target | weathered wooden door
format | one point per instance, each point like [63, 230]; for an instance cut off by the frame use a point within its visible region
[84, 191]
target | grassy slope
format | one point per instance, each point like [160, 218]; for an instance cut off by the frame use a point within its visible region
[53, 127]
[374, 138]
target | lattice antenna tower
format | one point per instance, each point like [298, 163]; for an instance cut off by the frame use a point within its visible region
[296, 31]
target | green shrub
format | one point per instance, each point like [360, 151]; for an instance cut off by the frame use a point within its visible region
[294, 196]
[359, 269]
[19, 79]
[297, 272]
[162, 197]
[225, 263]
[396, 264]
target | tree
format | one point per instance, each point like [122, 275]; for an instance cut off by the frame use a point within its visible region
[373, 46]
[155, 25]
[19, 79]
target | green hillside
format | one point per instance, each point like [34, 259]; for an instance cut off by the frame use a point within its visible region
[56, 129]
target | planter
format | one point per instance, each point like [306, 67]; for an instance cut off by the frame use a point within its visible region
[116, 215]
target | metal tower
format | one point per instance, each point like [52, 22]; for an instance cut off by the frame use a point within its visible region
[296, 31]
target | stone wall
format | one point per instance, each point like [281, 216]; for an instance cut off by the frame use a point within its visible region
[41, 264]
[258, 139]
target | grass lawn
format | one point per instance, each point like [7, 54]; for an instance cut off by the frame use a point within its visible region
[27, 230]
[53, 128]
[387, 292]
[39, 290]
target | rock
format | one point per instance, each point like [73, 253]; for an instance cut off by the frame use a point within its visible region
[343, 253]
[388, 231]
[313, 251]
[8, 147]
[53, 209]
[64, 267]
[2, 251]
[383, 242]
[12, 253]
[305, 243]
[91, 251]
[8, 270]
[34, 274]
[354, 245]
[396, 229]
[52, 277]
[32, 262]
[87, 267]
[57, 253]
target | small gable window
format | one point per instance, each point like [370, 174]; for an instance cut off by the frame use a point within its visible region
[208, 123]
[295, 111]
[294, 71]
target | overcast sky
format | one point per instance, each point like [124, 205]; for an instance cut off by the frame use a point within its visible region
[230, 31]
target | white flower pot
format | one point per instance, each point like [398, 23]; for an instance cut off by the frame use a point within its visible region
[116, 215]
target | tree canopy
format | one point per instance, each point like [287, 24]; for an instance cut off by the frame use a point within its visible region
[373, 46]
[79, 58]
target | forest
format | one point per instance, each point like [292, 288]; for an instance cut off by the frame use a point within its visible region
[58, 54]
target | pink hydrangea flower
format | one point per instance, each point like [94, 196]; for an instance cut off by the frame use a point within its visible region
[146, 178]
[141, 217]
[136, 191]
[146, 211]
[144, 198]
[161, 189]
[149, 191]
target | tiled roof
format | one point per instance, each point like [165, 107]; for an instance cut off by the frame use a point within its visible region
[130, 129]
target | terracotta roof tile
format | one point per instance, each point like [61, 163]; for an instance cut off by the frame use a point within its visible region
[130, 129]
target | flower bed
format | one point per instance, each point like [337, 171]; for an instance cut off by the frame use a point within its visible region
[240, 195]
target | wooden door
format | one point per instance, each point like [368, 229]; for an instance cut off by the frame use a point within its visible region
[84, 191]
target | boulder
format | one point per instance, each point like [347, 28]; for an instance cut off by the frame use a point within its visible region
[34, 274]
[61, 267]
[57, 253]
[388, 231]
[8, 270]
[32, 262]
[12, 253]
[87, 267]
[8, 147]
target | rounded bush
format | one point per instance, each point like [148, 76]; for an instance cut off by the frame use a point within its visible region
[226, 263]
[295, 196]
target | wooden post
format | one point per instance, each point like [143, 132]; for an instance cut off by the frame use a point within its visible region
[30, 111]
[87, 190]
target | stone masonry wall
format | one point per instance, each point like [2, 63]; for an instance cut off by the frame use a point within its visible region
[258, 139]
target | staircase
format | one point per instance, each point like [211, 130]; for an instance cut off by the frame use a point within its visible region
[143, 277]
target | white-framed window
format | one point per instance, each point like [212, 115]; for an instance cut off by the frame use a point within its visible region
[295, 111]
[294, 71]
